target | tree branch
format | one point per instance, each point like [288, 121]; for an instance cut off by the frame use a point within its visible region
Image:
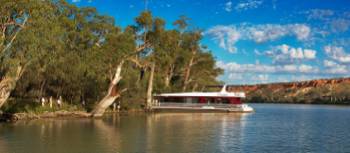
[138, 63]
[14, 37]
[124, 90]
[138, 49]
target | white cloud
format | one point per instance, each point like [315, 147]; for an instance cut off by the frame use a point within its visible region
[296, 53]
[328, 63]
[236, 76]
[228, 6]
[261, 73]
[228, 36]
[76, 1]
[257, 68]
[337, 53]
[319, 14]
[338, 69]
[269, 32]
[309, 53]
[248, 78]
[284, 54]
[225, 36]
[261, 77]
[340, 25]
[289, 68]
[305, 68]
[250, 4]
[335, 68]
[301, 31]
[335, 21]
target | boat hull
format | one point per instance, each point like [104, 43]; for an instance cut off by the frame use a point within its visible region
[202, 109]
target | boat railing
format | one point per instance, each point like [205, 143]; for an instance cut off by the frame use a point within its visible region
[195, 105]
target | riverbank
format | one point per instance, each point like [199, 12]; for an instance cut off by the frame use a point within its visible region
[8, 117]
[13, 117]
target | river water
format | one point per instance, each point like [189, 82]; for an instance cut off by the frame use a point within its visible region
[272, 128]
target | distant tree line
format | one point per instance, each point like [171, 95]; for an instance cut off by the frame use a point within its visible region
[53, 48]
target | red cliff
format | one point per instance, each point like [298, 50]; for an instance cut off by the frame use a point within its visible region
[313, 91]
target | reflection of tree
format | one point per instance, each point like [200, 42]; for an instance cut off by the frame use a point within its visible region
[60, 135]
[108, 134]
[3, 146]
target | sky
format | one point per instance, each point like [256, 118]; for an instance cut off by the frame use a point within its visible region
[257, 41]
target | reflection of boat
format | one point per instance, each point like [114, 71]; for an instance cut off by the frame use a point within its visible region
[222, 101]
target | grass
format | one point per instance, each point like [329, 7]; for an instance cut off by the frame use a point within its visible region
[31, 106]
[18, 105]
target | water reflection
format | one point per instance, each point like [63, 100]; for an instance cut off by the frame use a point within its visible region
[3, 146]
[272, 128]
[189, 132]
[133, 133]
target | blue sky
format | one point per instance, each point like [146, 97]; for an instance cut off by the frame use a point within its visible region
[258, 41]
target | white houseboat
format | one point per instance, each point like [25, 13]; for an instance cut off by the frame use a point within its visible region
[222, 101]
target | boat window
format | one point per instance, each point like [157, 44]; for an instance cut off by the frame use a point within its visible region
[225, 101]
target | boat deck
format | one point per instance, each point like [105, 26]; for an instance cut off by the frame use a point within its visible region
[195, 107]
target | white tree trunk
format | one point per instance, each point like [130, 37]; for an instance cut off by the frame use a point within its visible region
[111, 95]
[150, 88]
[194, 88]
[169, 75]
[188, 72]
[7, 84]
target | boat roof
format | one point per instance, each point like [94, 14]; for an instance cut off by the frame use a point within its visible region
[222, 93]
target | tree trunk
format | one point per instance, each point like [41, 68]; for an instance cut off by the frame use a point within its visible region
[8, 83]
[111, 95]
[169, 75]
[42, 89]
[150, 88]
[194, 88]
[188, 72]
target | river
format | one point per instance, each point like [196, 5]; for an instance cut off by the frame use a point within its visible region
[272, 128]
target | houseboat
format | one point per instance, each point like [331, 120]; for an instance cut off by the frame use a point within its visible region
[222, 101]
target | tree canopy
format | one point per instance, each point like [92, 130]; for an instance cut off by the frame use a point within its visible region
[53, 48]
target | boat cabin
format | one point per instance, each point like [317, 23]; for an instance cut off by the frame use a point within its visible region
[213, 101]
[197, 99]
